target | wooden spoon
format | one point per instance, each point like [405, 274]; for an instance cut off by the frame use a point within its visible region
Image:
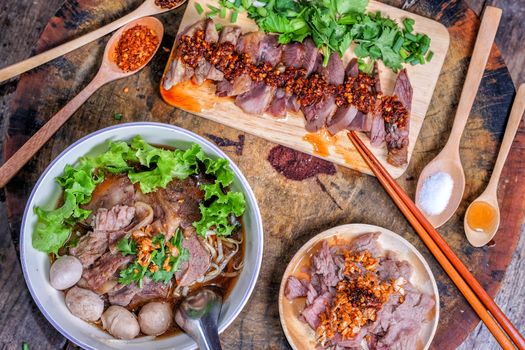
[482, 216]
[448, 160]
[109, 71]
[148, 8]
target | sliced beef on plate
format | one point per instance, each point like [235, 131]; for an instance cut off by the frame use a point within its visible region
[269, 50]
[199, 259]
[324, 266]
[203, 67]
[150, 291]
[103, 275]
[90, 247]
[178, 71]
[257, 100]
[295, 288]
[397, 138]
[293, 54]
[377, 128]
[391, 269]
[366, 242]
[317, 307]
[114, 190]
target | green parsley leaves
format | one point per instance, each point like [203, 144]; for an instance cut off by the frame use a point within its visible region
[152, 168]
[335, 24]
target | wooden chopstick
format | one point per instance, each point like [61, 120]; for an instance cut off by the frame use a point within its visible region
[457, 271]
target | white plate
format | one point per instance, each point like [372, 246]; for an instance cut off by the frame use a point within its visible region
[46, 192]
[301, 336]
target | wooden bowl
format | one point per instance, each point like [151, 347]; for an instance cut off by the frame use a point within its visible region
[300, 335]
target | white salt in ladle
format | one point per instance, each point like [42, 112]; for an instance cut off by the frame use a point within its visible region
[448, 160]
[483, 212]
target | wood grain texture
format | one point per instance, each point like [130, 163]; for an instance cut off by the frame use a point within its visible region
[290, 131]
[286, 232]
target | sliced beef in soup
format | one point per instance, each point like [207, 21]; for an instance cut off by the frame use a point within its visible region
[114, 190]
[91, 246]
[150, 291]
[199, 260]
[102, 276]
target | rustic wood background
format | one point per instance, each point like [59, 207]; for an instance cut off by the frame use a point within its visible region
[21, 321]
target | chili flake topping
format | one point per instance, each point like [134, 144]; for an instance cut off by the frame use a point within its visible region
[135, 47]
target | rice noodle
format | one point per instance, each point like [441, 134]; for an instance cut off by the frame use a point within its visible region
[219, 248]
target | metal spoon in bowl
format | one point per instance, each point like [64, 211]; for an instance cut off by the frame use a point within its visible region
[446, 167]
[482, 216]
[109, 71]
[147, 8]
[198, 316]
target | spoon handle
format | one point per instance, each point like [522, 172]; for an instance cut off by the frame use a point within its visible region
[28, 150]
[516, 114]
[486, 34]
[8, 72]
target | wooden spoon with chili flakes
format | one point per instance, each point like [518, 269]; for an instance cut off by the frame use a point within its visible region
[128, 51]
[147, 8]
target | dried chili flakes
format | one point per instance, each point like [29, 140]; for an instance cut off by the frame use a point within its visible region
[167, 4]
[135, 47]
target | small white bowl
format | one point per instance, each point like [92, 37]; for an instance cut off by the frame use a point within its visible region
[46, 192]
[301, 336]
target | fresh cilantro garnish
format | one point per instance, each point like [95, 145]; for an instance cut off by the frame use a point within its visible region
[127, 246]
[334, 25]
[162, 263]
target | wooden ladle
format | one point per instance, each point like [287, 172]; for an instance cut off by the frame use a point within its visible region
[448, 160]
[482, 216]
[109, 71]
[147, 8]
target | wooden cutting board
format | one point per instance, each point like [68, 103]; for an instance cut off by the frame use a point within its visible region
[290, 131]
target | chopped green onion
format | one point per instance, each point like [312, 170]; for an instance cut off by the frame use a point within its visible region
[409, 22]
[223, 12]
[410, 37]
[421, 59]
[118, 116]
[211, 14]
[429, 56]
[218, 27]
[25, 346]
[199, 8]
[398, 44]
[404, 54]
[233, 18]
[213, 8]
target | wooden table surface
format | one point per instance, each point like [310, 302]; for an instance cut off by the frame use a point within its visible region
[21, 321]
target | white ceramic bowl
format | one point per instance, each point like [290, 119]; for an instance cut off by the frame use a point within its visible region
[301, 336]
[46, 192]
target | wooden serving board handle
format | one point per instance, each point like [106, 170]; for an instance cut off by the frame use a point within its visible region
[516, 114]
[28, 150]
[480, 55]
[146, 9]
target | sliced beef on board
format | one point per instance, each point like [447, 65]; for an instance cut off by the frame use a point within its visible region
[397, 137]
[270, 50]
[344, 115]
[293, 54]
[114, 190]
[203, 67]
[312, 57]
[317, 114]
[103, 275]
[278, 105]
[257, 100]
[199, 259]
[178, 71]
[228, 34]
[377, 127]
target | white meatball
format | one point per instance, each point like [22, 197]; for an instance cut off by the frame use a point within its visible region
[155, 318]
[65, 272]
[120, 323]
[84, 304]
